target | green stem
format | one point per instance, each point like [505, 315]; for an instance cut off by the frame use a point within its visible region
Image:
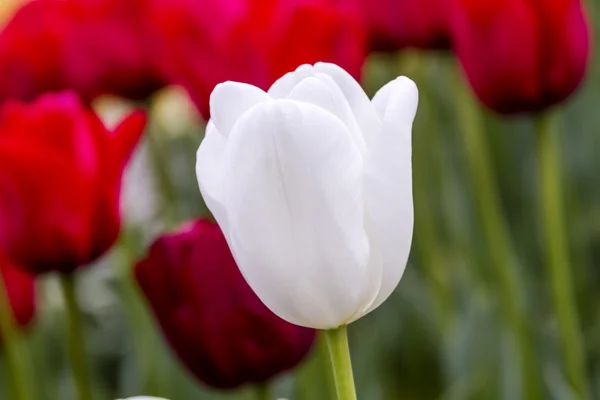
[75, 339]
[339, 354]
[162, 174]
[17, 372]
[314, 379]
[498, 242]
[557, 253]
[263, 391]
[428, 248]
[140, 325]
[427, 242]
[325, 365]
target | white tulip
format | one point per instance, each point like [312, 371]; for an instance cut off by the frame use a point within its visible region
[311, 184]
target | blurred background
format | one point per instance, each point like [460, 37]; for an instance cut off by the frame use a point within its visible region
[444, 333]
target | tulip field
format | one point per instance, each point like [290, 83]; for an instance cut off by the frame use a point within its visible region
[299, 200]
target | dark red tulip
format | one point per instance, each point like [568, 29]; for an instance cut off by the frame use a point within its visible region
[93, 47]
[20, 289]
[399, 24]
[521, 55]
[213, 321]
[254, 41]
[60, 179]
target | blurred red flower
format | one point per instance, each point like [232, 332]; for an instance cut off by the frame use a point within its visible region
[398, 24]
[521, 55]
[60, 178]
[254, 41]
[20, 289]
[209, 315]
[93, 47]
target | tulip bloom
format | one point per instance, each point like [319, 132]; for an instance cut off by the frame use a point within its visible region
[93, 47]
[213, 321]
[398, 24]
[254, 41]
[60, 178]
[521, 55]
[311, 184]
[20, 289]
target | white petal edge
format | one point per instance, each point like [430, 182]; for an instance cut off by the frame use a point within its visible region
[362, 108]
[364, 112]
[323, 92]
[294, 200]
[388, 184]
[229, 100]
[282, 87]
[209, 172]
[405, 90]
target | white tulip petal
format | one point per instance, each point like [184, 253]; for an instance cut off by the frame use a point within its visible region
[381, 98]
[209, 171]
[229, 100]
[373, 283]
[284, 85]
[360, 104]
[405, 91]
[322, 91]
[388, 183]
[294, 200]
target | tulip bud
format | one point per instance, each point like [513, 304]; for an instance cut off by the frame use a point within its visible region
[521, 55]
[20, 290]
[92, 47]
[398, 24]
[312, 186]
[60, 178]
[212, 320]
[256, 41]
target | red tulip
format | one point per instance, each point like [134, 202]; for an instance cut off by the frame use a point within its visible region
[209, 315]
[521, 55]
[398, 24]
[254, 41]
[93, 47]
[60, 177]
[20, 289]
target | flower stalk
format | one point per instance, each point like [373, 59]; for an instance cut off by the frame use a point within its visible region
[159, 158]
[557, 253]
[17, 372]
[426, 144]
[339, 353]
[263, 391]
[499, 244]
[75, 339]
